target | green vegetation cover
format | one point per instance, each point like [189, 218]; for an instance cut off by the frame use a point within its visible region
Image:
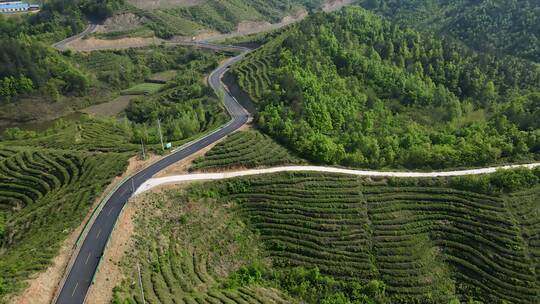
[185, 105]
[201, 252]
[222, 16]
[351, 88]
[509, 27]
[248, 149]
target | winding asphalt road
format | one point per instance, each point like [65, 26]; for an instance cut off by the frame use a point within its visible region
[62, 45]
[85, 265]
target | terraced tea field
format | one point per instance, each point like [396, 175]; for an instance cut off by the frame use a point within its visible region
[186, 256]
[44, 195]
[427, 243]
[248, 149]
[252, 73]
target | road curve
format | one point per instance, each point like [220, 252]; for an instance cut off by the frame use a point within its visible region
[80, 275]
[175, 179]
[62, 45]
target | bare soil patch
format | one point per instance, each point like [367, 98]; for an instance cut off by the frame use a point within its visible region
[155, 4]
[300, 15]
[111, 108]
[122, 22]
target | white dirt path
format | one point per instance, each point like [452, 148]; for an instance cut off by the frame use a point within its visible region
[176, 179]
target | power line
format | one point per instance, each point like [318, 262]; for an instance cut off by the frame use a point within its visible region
[160, 135]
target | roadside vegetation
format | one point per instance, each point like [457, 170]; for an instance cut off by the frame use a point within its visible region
[351, 88]
[44, 195]
[248, 149]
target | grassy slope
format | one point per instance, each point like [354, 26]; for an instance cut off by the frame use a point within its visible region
[44, 195]
[246, 149]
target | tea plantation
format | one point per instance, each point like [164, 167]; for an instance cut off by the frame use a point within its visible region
[185, 251]
[44, 195]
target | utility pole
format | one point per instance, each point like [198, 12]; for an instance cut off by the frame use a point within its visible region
[140, 283]
[160, 135]
[142, 146]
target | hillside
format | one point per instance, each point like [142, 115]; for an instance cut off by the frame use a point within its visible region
[44, 195]
[353, 89]
[247, 149]
[184, 103]
[509, 27]
[322, 238]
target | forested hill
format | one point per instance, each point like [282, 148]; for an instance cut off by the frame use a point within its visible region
[354, 89]
[28, 65]
[505, 26]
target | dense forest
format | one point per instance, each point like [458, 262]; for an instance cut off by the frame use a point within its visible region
[509, 27]
[354, 89]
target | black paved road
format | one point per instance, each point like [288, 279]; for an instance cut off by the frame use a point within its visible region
[61, 45]
[81, 274]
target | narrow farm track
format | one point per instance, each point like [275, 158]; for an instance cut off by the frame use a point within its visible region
[156, 182]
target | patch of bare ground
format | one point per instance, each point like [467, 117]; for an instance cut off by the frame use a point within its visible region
[111, 108]
[335, 5]
[93, 44]
[121, 22]
[252, 25]
[155, 4]
[43, 286]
